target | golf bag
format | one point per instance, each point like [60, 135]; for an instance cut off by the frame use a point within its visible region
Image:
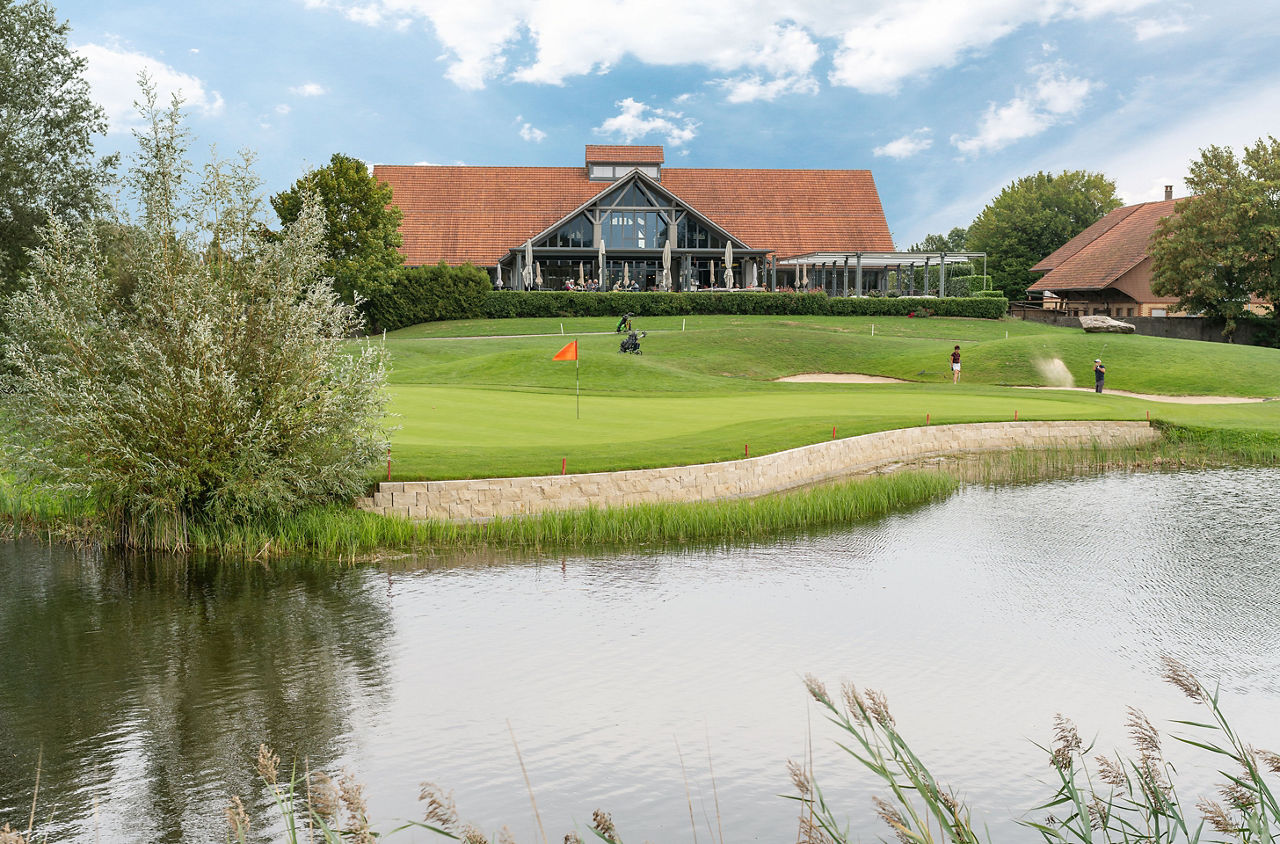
[624, 323]
[631, 345]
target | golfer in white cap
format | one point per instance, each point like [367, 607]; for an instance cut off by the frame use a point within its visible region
[1099, 375]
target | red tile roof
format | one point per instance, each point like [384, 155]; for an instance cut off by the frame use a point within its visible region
[460, 214]
[624, 154]
[1099, 255]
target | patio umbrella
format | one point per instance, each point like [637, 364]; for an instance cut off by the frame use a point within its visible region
[527, 275]
[804, 282]
[539, 266]
[626, 276]
[582, 281]
[600, 265]
[713, 273]
[666, 266]
[728, 261]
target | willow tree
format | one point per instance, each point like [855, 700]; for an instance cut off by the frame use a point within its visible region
[217, 383]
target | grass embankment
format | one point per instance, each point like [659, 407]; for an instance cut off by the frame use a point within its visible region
[498, 405]
[345, 533]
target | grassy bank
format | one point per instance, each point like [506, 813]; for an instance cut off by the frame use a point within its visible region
[340, 533]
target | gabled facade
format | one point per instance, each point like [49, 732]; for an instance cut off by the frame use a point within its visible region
[1106, 269]
[627, 201]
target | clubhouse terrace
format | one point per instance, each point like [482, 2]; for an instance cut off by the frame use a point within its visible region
[621, 218]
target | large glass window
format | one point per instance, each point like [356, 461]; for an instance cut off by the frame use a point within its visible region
[575, 233]
[632, 196]
[634, 230]
[692, 235]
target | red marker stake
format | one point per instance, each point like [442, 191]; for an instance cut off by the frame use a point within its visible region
[833, 432]
[564, 463]
[1148, 416]
[1015, 416]
[926, 419]
[746, 450]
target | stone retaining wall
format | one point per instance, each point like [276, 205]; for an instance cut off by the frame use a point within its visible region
[483, 499]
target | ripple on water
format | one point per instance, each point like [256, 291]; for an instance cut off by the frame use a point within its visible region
[980, 617]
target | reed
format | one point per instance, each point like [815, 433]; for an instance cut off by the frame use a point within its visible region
[1099, 799]
[344, 534]
[1114, 799]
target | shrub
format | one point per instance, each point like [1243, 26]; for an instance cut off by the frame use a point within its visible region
[429, 294]
[216, 384]
[513, 303]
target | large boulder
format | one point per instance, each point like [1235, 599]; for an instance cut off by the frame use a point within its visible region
[1095, 324]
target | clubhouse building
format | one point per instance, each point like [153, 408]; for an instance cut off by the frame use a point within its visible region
[624, 220]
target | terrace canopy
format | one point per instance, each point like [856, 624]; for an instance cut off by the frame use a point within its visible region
[844, 273]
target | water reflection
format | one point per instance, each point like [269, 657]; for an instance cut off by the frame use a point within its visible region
[980, 617]
[147, 684]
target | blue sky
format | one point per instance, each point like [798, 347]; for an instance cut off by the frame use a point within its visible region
[944, 101]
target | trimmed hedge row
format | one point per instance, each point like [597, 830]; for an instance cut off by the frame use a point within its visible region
[506, 304]
[428, 294]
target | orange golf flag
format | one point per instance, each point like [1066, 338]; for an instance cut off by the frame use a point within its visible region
[569, 352]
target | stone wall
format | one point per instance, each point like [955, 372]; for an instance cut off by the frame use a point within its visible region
[1175, 327]
[483, 499]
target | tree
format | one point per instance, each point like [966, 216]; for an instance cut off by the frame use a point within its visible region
[1032, 217]
[952, 241]
[196, 368]
[47, 121]
[1222, 245]
[362, 226]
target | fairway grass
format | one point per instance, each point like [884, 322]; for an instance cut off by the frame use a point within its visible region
[496, 405]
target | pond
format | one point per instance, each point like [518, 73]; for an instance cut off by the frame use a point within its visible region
[140, 689]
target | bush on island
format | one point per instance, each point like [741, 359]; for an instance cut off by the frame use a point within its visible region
[201, 373]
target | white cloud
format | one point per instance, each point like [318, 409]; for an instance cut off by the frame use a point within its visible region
[760, 49]
[112, 73]
[309, 89]
[636, 120]
[1148, 28]
[746, 89]
[1054, 98]
[283, 109]
[529, 133]
[907, 145]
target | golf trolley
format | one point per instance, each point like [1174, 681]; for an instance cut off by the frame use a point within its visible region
[631, 344]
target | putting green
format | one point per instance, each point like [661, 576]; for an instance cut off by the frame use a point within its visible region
[474, 401]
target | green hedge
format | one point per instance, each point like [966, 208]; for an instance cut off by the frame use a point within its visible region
[505, 304]
[429, 294]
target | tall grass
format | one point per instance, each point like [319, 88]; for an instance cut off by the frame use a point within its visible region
[345, 534]
[1100, 799]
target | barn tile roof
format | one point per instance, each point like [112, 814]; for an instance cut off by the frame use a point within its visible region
[477, 214]
[1099, 255]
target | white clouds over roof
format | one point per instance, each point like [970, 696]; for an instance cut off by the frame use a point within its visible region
[756, 50]
[636, 120]
[906, 146]
[1053, 98]
[112, 73]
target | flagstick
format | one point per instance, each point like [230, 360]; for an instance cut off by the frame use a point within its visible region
[577, 388]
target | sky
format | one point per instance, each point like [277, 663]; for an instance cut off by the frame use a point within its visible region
[945, 101]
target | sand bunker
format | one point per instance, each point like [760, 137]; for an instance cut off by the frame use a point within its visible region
[841, 378]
